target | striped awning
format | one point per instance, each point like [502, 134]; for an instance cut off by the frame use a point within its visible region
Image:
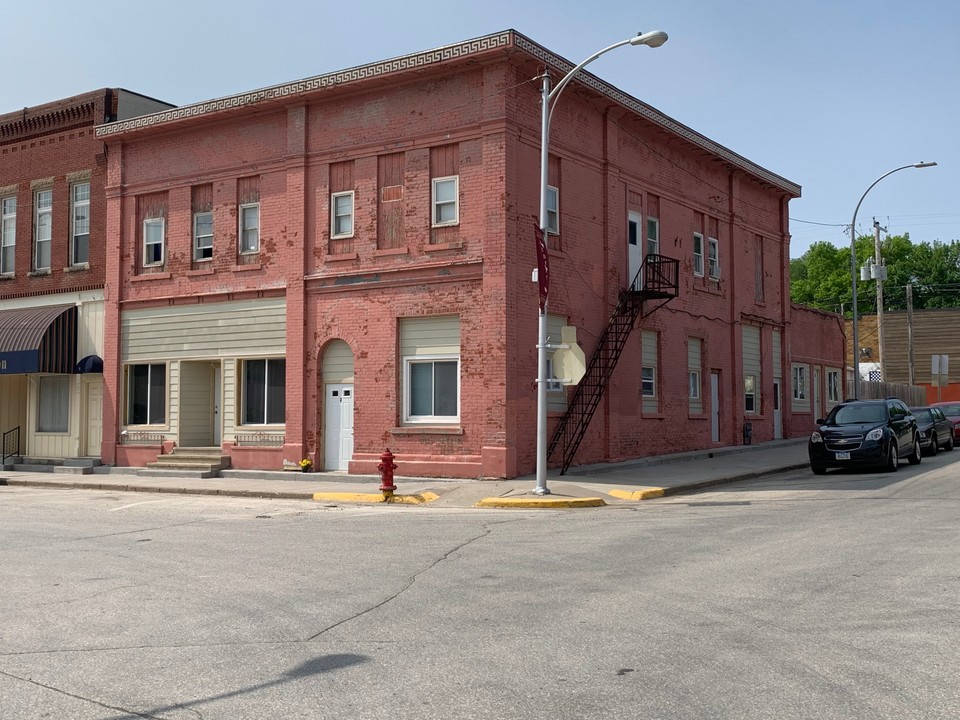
[38, 339]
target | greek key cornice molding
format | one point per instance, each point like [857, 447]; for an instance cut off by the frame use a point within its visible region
[363, 72]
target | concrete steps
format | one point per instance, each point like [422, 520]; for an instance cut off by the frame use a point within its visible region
[188, 462]
[60, 466]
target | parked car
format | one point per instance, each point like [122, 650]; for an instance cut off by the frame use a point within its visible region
[865, 432]
[936, 430]
[952, 411]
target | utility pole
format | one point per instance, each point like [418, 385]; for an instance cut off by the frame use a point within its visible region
[881, 356]
[910, 335]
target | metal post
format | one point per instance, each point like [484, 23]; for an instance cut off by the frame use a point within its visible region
[880, 348]
[910, 361]
[541, 488]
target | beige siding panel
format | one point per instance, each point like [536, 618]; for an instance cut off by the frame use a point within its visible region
[90, 330]
[173, 398]
[229, 401]
[649, 344]
[338, 363]
[777, 367]
[13, 405]
[694, 362]
[438, 335]
[253, 327]
[751, 351]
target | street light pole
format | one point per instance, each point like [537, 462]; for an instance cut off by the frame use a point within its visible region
[548, 99]
[853, 272]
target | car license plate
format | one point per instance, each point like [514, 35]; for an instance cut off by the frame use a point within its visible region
[843, 456]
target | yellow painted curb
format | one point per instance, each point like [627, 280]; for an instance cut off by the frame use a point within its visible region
[545, 502]
[420, 499]
[637, 494]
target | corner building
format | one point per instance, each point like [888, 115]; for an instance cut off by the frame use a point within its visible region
[342, 264]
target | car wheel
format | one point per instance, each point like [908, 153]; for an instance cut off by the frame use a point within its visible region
[893, 457]
[934, 444]
[949, 445]
[818, 469]
[916, 456]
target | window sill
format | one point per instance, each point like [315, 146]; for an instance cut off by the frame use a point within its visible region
[389, 252]
[653, 415]
[79, 267]
[39, 273]
[427, 430]
[7, 276]
[200, 271]
[342, 257]
[252, 267]
[440, 247]
[697, 416]
[151, 276]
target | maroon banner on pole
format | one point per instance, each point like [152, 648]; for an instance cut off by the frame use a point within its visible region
[543, 266]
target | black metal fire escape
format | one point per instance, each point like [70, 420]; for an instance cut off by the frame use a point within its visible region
[657, 280]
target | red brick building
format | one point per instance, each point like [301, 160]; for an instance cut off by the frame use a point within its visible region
[342, 264]
[52, 225]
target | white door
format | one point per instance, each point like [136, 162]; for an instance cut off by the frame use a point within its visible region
[715, 407]
[817, 395]
[93, 389]
[338, 427]
[777, 413]
[634, 247]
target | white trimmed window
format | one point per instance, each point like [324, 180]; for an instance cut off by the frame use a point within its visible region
[750, 394]
[430, 356]
[693, 378]
[341, 215]
[833, 386]
[80, 223]
[653, 236]
[264, 391]
[713, 258]
[648, 371]
[249, 228]
[799, 382]
[698, 255]
[446, 201]
[42, 229]
[203, 236]
[147, 394]
[8, 234]
[649, 381]
[53, 404]
[553, 384]
[153, 242]
[553, 210]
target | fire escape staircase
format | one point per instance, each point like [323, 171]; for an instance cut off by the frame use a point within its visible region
[657, 281]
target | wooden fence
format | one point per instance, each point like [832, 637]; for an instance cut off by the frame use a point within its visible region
[911, 394]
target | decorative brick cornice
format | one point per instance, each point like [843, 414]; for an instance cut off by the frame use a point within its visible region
[30, 123]
[477, 46]
[320, 82]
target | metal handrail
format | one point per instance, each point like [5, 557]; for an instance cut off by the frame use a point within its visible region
[11, 444]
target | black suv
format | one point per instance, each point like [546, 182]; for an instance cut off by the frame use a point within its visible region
[865, 432]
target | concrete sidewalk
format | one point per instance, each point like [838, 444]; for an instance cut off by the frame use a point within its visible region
[584, 486]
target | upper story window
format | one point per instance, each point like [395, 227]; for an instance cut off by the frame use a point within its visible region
[446, 201]
[203, 236]
[713, 258]
[8, 234]
[80, 223]
[698, 255]
[153, 236]
[250, 228]
[341, 214]
[553, 210]
[201, 205]
[42, 229]
[653, 236]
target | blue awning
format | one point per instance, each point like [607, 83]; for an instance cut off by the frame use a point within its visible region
[38, 339]
[90, 364]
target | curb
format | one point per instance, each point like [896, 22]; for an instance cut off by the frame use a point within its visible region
[421, 499]
[541, 503]
[644, 494]
[172, 490]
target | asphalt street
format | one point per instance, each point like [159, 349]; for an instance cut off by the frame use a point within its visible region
[790, 596]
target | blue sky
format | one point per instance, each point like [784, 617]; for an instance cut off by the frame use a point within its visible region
[828, 94]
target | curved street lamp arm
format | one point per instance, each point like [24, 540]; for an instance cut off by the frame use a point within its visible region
[558, 88]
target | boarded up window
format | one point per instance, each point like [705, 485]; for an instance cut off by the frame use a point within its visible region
[248, 211]
[553, 203]
[201, 207]
[201, 198]
[390, 171]
[248, 190]
[341, 180]
[653, 206]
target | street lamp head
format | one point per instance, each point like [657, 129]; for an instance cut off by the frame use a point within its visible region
[925, 164]
[654, 38]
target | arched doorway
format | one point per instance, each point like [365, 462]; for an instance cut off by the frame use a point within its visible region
[337, 379]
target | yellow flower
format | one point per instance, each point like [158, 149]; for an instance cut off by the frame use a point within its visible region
[305, 463]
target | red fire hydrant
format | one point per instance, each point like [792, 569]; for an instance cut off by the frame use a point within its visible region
[386, 468]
